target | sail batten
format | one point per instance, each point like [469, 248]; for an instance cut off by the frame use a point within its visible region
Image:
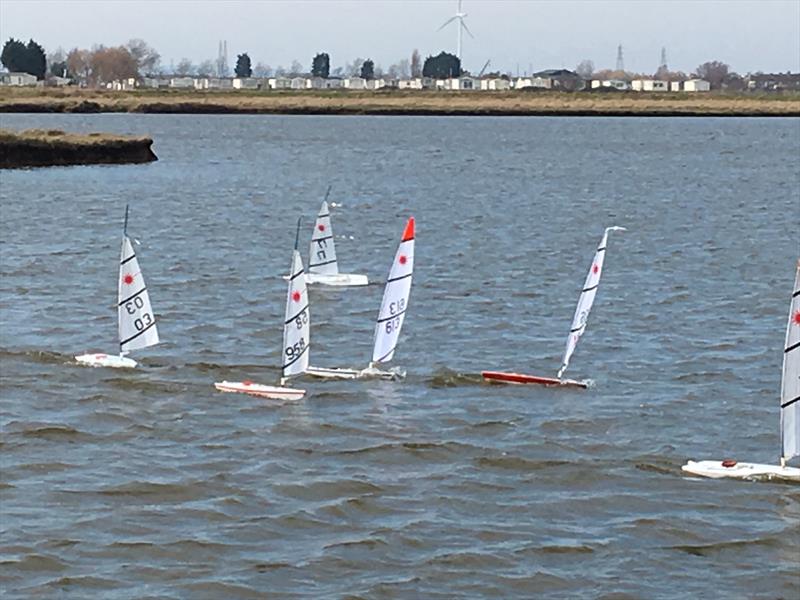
[297, 322]
[586, 300]
[137, 322]
[395, 298]
[790, 380]
[322, 253]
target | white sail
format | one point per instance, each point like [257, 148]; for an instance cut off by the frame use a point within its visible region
[586, 300]
[137, 322]
[395, 298]
[322, 254]
[297, 325]
[790, 384]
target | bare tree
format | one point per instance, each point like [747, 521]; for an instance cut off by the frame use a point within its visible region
[280, 71]
[585, 68]
[111, 64]
[185, 67]
[78, 63]
[207, 68]
[416, 64]
[262, 70]
[404, 68]
[296, 68]
[714, 72]
[353, 69]
[145, 56]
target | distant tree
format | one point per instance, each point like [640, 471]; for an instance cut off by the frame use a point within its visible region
[734, 81]
[14, 55]
[321, 65]
[353, 69]
[243, 66]
[612, 74]
[184, 67]
[280, 71]
[296, 68]
[262, 70]
[29, 58]
[59, 69]
[585, 68]
[36, 60]
[403, 69]
[57, 63]
[79, 65]
[111, 64]
[338, 72]
[207, 68]
[368, 69]
[714, 72]
[416, 64]
[147, 59]
[442, 66]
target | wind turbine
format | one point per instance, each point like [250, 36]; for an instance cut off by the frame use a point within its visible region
[459, 16]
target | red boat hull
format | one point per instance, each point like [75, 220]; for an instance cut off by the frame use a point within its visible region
[520, 378]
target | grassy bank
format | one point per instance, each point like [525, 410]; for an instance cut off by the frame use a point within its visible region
[395, 102]
[38, 148]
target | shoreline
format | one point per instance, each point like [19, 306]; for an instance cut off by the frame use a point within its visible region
[46, 148]
[402, 103]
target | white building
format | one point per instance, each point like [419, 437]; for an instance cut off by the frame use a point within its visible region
[495, 84]
[649, 85]
[181, 82]
[464, 82]
[410, 84]
[617, 84]
[245, 83]
[279, 83]
[120, 85]
[220, 83]
[18, 79]
[696, 85]
[299, 83]
[532, 82]
[355, 83]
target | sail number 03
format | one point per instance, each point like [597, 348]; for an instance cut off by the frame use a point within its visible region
[146, 319]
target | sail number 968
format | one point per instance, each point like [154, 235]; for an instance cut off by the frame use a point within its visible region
[296, 349]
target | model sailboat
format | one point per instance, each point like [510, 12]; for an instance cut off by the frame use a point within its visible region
[323, 266]
[585, 302]
[790, 413]
[296, 339]
[390, 317]
[137, 322]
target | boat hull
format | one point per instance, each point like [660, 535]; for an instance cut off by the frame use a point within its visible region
[368, 373]
[340, 279]
[262, 391]
[115, 361]
[716, 469]
[519, 378]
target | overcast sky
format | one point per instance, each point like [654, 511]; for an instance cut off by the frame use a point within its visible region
[749, 35]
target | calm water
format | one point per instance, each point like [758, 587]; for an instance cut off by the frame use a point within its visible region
[152, 484]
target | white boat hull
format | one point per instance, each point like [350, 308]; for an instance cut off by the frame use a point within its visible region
[368, 373]
[340, 279]
[106, 360]
[263, 391]
[736, 470]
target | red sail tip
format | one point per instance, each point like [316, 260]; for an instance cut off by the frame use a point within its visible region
[408, 234]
